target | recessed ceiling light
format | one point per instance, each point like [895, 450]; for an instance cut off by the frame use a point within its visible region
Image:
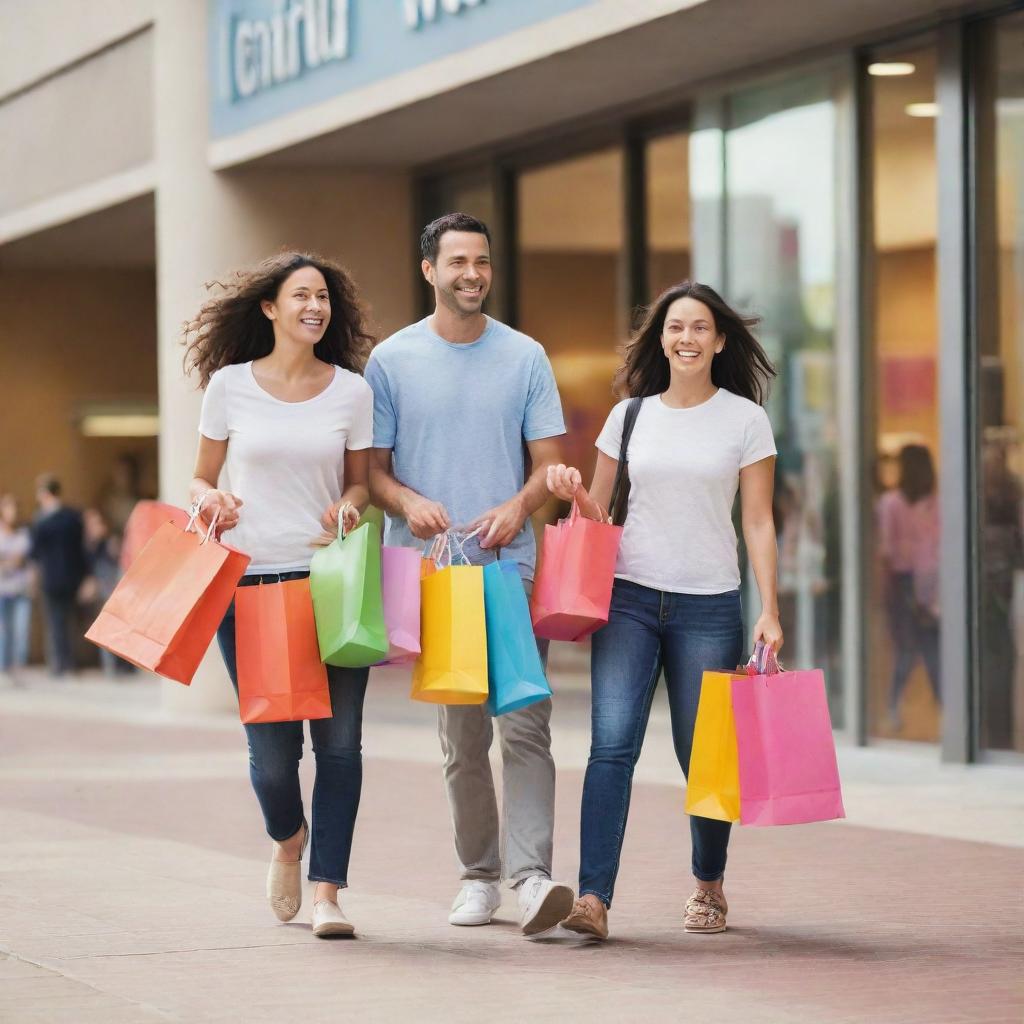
[922, 109]
[891, 68]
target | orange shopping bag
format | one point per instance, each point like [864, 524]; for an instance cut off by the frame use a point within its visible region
[280, 675]
[147, 517]
[166, 608]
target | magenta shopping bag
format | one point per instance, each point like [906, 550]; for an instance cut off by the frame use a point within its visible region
[400, 583]
[787, 756]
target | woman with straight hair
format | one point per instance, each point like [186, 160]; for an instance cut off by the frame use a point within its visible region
[287, 415]
[699, 378]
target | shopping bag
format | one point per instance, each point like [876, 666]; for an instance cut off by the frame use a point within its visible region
[400, 584]
[787, 756]
[166, 608]
[515, 672]
[573, 589]
[280, 675]
[452, 666]
[713, 781]
[146, 518]
[345, 581]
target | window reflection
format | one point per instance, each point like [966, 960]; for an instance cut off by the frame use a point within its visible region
[1001, 378]
[668, 212]
[781, 265]
[904, 677]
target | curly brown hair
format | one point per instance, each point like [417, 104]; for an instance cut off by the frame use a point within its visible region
[231, 327]
[742, 367]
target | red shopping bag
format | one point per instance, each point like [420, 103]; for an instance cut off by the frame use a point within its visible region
[147, 517]
[573, 589]
[787, 755]
[166, 608]
[280, 675]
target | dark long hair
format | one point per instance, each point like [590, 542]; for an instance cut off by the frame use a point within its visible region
[741, 367]
[917, 472]
[231, 327]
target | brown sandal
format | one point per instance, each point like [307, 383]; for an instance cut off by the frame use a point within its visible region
[588, 919]
[705, 911]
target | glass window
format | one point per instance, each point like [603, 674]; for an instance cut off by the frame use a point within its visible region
[903, 627]
[1001, 398]
[570, 284]
[780, 153]
[471, 192]
[668, 212]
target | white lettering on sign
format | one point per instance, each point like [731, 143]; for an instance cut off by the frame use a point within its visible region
[420, 12]
[303, 34]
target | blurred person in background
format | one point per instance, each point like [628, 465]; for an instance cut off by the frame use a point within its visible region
[102, 550]
[58, 552]
[15, 588]
[908, 532]
[121, 493]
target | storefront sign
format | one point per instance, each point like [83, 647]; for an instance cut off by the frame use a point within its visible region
[271, 57]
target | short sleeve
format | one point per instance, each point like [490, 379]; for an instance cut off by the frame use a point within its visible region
[758, 439]
[385, 420]
[361, 434]
[609, 440]
[543, 417]
[213, 419]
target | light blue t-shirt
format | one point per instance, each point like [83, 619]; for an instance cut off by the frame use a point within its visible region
[457, 418]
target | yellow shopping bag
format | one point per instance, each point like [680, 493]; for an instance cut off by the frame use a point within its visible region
[452, 666]
[713, 785]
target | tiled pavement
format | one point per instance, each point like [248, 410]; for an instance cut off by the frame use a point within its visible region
[132, 866]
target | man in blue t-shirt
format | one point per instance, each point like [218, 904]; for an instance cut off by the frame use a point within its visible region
[457, 396]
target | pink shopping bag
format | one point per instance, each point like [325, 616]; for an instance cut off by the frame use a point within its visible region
[787, 756]
[400, 582]
[573, 589]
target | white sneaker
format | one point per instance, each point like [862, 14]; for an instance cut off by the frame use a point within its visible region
[328, 920]
[476, 903]
[543, 904]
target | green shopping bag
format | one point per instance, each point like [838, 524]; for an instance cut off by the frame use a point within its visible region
[344, 579]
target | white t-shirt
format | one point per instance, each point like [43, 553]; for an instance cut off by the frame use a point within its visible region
[684, 467]
[285, 460]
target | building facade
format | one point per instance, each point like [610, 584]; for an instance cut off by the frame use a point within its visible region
[855, 179]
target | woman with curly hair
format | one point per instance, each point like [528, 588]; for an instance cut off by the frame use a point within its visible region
[696, 378]
[288, 419]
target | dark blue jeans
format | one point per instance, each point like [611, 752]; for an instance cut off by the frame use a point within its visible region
[648, 631]
[275, 749]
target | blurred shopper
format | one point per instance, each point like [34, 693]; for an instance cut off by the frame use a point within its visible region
[58, 551]
[102, 552]
[700, 434]
[459, 401]
[908, 532]
[15, 588]
[286, 413]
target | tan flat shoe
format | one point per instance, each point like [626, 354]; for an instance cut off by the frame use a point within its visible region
[587, 919]
[284, 882]
[705, 911]
[329, 922]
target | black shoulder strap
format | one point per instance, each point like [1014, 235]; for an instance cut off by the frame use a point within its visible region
[620, 488]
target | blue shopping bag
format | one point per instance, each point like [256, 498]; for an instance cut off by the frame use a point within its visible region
[514, 668]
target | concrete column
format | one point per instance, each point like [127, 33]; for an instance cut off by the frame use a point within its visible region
[209, 223]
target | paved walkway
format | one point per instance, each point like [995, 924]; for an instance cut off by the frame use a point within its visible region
[132, 866]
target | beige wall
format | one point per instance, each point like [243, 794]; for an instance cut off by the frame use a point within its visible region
[41, 36]
[71, 337]
[91, 121]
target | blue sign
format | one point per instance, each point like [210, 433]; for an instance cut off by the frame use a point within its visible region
[271, 57]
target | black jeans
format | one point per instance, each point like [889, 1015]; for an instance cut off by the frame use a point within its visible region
[59, 609]
[275, 749]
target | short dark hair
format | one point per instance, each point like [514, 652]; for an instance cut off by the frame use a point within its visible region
[48, 482]
[430, 240]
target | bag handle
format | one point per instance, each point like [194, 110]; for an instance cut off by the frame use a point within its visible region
[190, 526]
[620, 487]
[450, 541]
[763, 662]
